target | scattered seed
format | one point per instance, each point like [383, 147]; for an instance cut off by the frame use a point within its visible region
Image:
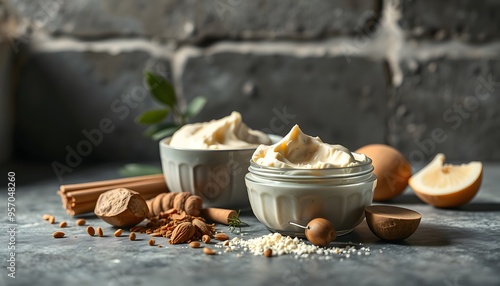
[99, 231]
[221, 236]
[46, 216]
[194, 244]
[205, 238]
[131, 236]
[90, 230]
[151, 242]
[80, 222]
[58, 234]
[268, 252]
[208, 251]
[118, 232]
[226, 243]
[63, 224]
[52, 219]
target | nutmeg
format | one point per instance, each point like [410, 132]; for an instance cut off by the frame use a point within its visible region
[121, 207]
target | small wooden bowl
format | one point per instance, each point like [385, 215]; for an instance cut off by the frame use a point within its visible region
[392, 223]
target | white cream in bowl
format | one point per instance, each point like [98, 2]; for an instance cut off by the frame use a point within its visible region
[301, 178]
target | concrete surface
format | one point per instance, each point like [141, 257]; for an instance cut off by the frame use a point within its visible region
[451, 247]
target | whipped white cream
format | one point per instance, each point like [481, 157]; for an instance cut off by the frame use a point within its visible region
[226, 133]
[298, 150]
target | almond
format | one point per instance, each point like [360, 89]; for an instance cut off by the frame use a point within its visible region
[90, 231]
[58, 234]
[221, 236]
[63, 224]
[80, 222]
[118, 232]
[52, 219]
[132, 236]
[151, 242]
[208, 251]
[99, 231]
[182, 233]
[194, 244]
[46, 216]
[202, 226]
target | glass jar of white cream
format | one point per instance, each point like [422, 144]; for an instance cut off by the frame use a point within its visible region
[279, 196]
[301, 178]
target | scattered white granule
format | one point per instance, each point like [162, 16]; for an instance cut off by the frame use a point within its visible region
[281, 245]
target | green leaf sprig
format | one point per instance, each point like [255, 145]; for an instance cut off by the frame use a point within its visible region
[235, 222]
[163, 121]
[164, 93]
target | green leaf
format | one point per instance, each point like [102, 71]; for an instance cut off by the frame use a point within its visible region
[164, 133]
[152, 116]
[161, 89]
[131, 170]
[195, 106]
[151, 130]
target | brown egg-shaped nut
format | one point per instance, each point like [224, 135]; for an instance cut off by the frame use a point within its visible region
[320, 232]
[121, 207]
[392, 169]
[392, 223]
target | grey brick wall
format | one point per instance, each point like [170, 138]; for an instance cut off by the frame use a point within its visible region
[422, 76]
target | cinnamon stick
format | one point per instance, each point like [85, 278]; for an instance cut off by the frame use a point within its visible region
[107, 183]
[81, 198]
[218, 215]
[93, 194]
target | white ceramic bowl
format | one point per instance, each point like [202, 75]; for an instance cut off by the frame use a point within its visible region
[279, 196]
[217, 176]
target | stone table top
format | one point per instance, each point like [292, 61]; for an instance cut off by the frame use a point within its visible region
[451, 247]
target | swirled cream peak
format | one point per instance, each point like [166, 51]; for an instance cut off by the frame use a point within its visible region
[227, 133]
[298, 150]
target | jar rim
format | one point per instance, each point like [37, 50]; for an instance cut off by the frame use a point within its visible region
[302, 173]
